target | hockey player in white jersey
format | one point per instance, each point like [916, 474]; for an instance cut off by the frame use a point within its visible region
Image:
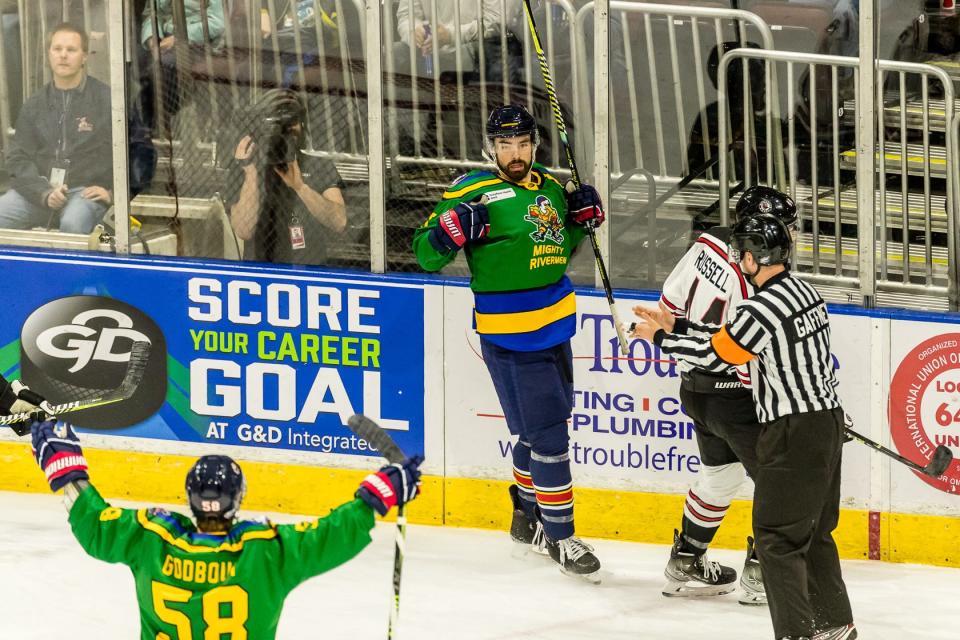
[702, 291]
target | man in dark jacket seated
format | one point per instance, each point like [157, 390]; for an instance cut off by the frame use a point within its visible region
[60, 158]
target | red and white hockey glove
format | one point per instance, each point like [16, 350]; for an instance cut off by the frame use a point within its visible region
[584, 205]
[466, 222]
[395, 484]
[57, 450]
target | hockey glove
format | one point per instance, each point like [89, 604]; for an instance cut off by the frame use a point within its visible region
[584, 205]
[466, 222]
[28, 400]
[57, 450]
[395, 484]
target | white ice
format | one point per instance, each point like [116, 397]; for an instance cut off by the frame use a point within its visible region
[457, 583]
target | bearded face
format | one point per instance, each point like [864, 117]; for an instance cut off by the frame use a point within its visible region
[514, 156]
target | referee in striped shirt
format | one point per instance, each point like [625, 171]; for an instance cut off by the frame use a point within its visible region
[783, 334]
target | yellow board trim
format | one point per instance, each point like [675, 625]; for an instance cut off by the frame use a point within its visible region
[447, 195]
[469, 502]
[526, 321]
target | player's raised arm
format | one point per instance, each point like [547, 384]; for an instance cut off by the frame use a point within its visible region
[314, 546]
[105, 532]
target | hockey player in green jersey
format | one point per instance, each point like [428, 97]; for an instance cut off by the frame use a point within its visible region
[518, 227]
[221, 577]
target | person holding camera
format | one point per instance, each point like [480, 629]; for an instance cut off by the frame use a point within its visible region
[283, 204]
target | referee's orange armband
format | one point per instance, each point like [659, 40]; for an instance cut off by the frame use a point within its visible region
[728, 350]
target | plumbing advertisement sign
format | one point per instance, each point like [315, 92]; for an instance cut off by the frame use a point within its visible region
[628, 429]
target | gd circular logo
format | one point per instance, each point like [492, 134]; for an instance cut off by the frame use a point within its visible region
[924, 407]
[79, 348]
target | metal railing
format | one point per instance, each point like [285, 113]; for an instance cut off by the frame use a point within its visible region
[831, 233]
[808, 154]
[704, 26]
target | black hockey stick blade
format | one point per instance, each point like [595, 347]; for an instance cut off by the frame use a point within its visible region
[942, 457]
[136, 367]
[378, 438]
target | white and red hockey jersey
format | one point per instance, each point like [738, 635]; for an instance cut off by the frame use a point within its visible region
[706, 286]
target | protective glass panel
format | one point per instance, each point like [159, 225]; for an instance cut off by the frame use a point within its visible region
[259, 128]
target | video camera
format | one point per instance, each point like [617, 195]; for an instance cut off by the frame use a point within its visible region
[280, 112]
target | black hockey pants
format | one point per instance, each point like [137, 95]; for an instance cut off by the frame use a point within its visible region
[796, 507]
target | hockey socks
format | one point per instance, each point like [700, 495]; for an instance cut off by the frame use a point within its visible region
[524, 483]
[553, 486]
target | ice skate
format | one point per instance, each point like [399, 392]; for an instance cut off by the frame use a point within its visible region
[575, 558]
[522, 528]
[844, 632]
[526, 534]
[752, 589]
[689, 573]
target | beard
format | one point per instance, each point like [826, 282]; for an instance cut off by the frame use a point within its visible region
[516, 170]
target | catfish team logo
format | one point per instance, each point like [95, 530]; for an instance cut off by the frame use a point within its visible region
[546, 219]
[78, 348]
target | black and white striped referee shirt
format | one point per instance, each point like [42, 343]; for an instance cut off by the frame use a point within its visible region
[783, 332]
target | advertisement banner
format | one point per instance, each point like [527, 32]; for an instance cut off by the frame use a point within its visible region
[265, 358]
[924, 403]
[628, 429]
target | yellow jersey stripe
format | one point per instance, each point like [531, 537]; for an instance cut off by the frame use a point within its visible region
[550, 177]
[447, 195]
[525, 321]
[180, 543]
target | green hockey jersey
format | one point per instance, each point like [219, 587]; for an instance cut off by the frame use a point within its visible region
[522, 296]
[231, 586]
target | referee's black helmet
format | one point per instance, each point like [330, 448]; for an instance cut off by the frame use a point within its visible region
[765, 236]
[759, 200]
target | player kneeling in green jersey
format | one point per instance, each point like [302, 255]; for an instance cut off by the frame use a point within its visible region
[222, 577]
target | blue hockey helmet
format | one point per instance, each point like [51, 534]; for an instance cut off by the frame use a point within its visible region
[215, 488]
[510, 121]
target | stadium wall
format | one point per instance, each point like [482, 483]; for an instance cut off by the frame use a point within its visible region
[265, 363]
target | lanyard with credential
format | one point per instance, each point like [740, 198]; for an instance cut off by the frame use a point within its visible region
[62, 142]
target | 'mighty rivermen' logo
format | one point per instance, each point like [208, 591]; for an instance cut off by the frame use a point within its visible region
[547, 221]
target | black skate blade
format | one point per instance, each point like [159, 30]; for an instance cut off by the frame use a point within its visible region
[676, 589]
[942, 457]
[753, 600]
[592, 578]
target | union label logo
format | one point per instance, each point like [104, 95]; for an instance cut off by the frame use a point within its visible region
[546, 220]
[925, 405]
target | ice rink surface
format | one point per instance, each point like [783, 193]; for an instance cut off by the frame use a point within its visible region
[457, 584]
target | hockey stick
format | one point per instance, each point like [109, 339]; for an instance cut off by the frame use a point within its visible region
[574, 174]
[139, 355]
[941, 459]
[373, 433]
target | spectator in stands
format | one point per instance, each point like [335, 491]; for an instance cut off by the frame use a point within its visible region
[60, 158]
[306, 20]
[283, 204]
[479, 21]
[204, 27]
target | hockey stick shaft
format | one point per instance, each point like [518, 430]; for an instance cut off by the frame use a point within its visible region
[139, 355]
[373, 433]
[934, 468]
[574, 173]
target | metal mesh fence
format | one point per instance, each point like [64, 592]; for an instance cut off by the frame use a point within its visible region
[259, 128]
